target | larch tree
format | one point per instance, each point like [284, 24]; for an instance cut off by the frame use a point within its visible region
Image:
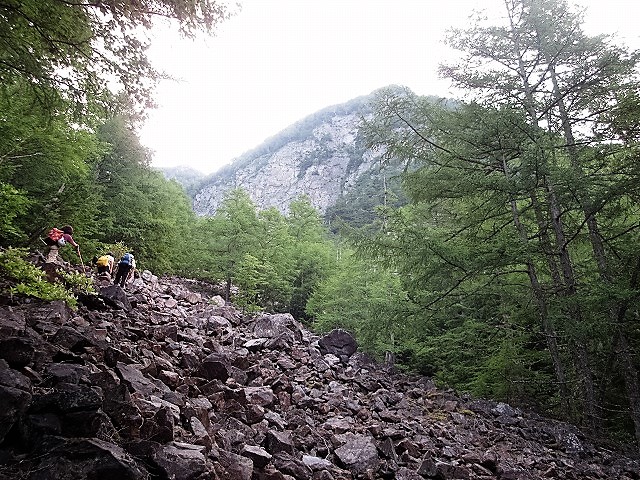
[541, 61]
[533, 182]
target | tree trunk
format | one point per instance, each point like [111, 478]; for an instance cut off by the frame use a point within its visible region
[543, 311]
[566, 266]
[575, 312]
[632, 380]
[227, 291]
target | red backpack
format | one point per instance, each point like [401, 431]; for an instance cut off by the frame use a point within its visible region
[55, 234]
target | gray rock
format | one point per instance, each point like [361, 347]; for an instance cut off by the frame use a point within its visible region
[135, 379]
[17, 351]
[12, 322]
[180, 461]
[116, 297]
[338, 342]
[358, 453]
[279, 442]
[237, 467]
[258, 455]
[87, 459]
[289, 465]
[316, 463]
[14, 404]
[216, 367]
[262, 396]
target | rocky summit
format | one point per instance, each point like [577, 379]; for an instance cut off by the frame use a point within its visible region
[165, 381]
[322, 156]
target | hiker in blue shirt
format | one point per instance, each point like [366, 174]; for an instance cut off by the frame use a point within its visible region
[126, 265]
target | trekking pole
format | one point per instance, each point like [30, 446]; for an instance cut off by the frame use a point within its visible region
[81, 262]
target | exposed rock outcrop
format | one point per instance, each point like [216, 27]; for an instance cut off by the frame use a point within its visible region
[321, 156]
[176, 385]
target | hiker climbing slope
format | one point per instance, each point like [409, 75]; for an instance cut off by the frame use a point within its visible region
[126, 265]
[57, 238]
[105, 263]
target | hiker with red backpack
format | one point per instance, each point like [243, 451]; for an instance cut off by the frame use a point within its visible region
[57, 238]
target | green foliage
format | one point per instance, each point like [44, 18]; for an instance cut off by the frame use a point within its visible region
[139, 208]
[13, 204]
[358, 207]
[77, 50]
[518, 249]
[78, 282]
[29, 280]
[363, 298]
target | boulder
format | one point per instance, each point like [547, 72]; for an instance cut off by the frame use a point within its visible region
[358, 453]
[338, 342]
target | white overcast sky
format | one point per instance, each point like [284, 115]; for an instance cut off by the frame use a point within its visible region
[277, 61]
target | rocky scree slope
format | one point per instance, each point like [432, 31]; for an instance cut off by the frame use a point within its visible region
[166, 382]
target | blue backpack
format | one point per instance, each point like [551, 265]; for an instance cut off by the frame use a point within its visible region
[126, 259]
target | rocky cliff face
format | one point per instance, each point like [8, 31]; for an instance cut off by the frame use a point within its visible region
[164, 381]
[321, 157]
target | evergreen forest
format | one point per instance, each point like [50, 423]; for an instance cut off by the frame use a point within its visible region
[510, 270]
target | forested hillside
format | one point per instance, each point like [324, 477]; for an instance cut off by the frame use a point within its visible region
[509, 270]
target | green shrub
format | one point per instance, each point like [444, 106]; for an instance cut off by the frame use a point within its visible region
[31, 281]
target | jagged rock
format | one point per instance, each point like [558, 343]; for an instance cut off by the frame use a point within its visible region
[279, 442]
[262, 396]
[171, 379]
[12, 323]
[277, 326]
[193, 298]
[358, 453]
[48, 313]
[217, 300]
[71, 339]
[15, 403]
[66, 373]
[200, 433]
[134, 379]
[258, 455]
[338, 342]
[255, 344]
[216, 367]
[289, 465]
[180, 461]
[115, 296]
[316, 463]
[159, 427]
[217, 322]
[323, 161]
[149, 278]
[17, 351]
[13, 378]
[404, 473]
[87, 459]
[236, 467]
[202, 391]
[68, 397]
[93, 301]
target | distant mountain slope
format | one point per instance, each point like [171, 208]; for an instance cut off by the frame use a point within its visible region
[322, 156]
[189, 178]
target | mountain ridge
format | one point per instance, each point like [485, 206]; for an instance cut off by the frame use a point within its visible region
[321, 156]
